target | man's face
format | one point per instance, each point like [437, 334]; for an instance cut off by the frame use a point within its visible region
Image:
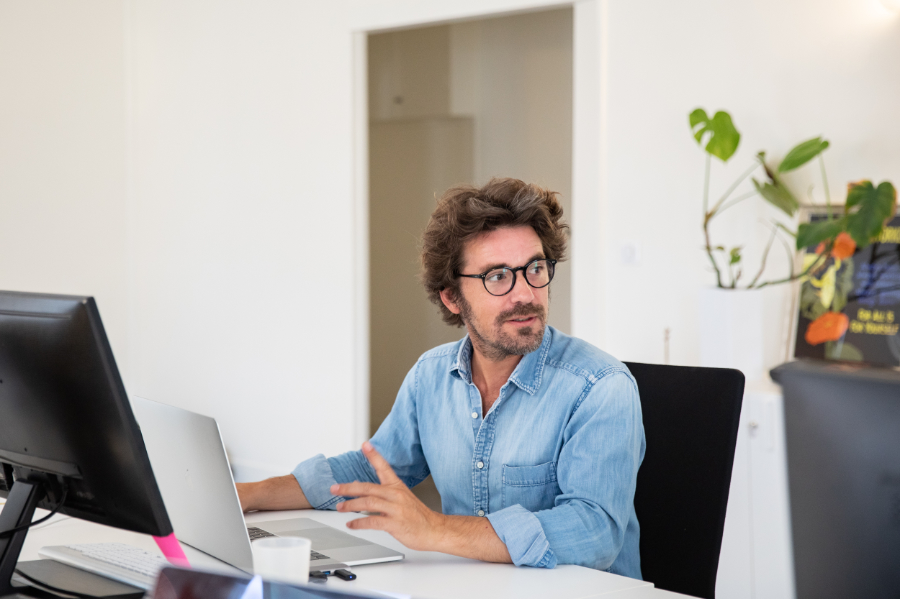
[507, 325]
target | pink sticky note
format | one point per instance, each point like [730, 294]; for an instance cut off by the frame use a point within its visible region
[171, 548]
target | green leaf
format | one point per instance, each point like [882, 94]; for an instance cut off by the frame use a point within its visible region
[874, 206]
[778, 195]
[810, 306]
[734, 255]
[803, 153]
[809, 235]
[723, 138]
[835, 350]
[697, 117]
[843, 286]
[808, 300]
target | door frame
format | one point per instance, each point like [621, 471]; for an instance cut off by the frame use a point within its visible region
[589, 159]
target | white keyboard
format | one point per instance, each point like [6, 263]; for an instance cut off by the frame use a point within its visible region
[118, 561]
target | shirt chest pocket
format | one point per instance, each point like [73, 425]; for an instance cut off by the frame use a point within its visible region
[532, 487]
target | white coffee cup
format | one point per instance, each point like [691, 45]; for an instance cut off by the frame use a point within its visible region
[285, 559]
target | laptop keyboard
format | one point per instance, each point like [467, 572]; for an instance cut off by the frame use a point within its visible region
[258, 533]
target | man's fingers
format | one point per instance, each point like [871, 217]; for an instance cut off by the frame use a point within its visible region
[358, 489]
[369, 523]
[365, 504]
[384, 471]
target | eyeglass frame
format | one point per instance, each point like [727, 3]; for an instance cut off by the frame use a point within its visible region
[483, 276]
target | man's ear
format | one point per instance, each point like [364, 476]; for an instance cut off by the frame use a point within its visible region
[448, 297]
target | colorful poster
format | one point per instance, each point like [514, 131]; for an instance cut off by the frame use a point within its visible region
[850, 303]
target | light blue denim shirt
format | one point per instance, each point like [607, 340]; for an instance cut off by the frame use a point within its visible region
[553, 465]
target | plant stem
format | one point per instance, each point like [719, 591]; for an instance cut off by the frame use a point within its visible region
[737, 200]
[717, 209]
[785, 229]
[793, 276]
[825, 183]
[734, 185]
[765, 257]
[706, 185]
[706, 217]
[709, 252]
[790, 255]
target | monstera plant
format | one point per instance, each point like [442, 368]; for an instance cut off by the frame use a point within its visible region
[866, 209]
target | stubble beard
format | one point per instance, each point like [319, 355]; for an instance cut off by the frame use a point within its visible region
[500, 344]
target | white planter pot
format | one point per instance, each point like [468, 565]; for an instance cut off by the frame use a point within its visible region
[731, 330]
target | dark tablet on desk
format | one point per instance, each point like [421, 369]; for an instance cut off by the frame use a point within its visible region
[176, 583]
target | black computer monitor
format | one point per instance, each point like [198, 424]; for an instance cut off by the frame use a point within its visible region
[66, 426]
[842, 434]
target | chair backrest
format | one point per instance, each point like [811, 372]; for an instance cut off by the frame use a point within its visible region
[691, 420]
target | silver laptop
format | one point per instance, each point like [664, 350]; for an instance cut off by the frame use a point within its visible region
[194, 477]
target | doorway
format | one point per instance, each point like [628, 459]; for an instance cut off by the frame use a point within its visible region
[447, 104]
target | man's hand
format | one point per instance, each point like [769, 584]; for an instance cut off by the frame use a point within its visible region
[279, 493]
[401, 513]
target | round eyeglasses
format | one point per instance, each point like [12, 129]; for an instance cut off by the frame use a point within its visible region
[500, 281]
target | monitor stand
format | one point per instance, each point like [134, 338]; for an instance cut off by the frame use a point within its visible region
[80, 582]
[19, 509]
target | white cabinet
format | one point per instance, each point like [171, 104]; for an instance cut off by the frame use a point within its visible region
[756, 562]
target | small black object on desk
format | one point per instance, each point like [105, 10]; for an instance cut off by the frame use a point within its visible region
[318, 576]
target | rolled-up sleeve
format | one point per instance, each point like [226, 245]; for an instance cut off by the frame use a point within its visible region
[316, 477]
[603, 446]
[397, 440]
[597, 473]
[524, 537]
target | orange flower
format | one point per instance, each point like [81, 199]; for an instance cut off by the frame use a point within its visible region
[844, 246]
[831, 326]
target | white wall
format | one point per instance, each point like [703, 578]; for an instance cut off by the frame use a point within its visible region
[62, 153]
[786, 71]
[238, 182]
[242, 279]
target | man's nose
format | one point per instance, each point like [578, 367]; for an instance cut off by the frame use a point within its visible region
[522, 292]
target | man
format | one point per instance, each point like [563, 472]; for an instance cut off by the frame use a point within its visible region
[534, 438]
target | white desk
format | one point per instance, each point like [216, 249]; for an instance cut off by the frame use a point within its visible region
[422, 574]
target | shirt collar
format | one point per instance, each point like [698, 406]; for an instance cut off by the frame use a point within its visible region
[528, 373]
[463, 365]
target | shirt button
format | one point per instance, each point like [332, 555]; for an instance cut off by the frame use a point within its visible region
[474, 414]
[481, 512]
[479, 464]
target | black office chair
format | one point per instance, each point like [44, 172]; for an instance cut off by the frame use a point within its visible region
[691, 424]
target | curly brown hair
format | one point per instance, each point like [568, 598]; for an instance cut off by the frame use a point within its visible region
[464, 212]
